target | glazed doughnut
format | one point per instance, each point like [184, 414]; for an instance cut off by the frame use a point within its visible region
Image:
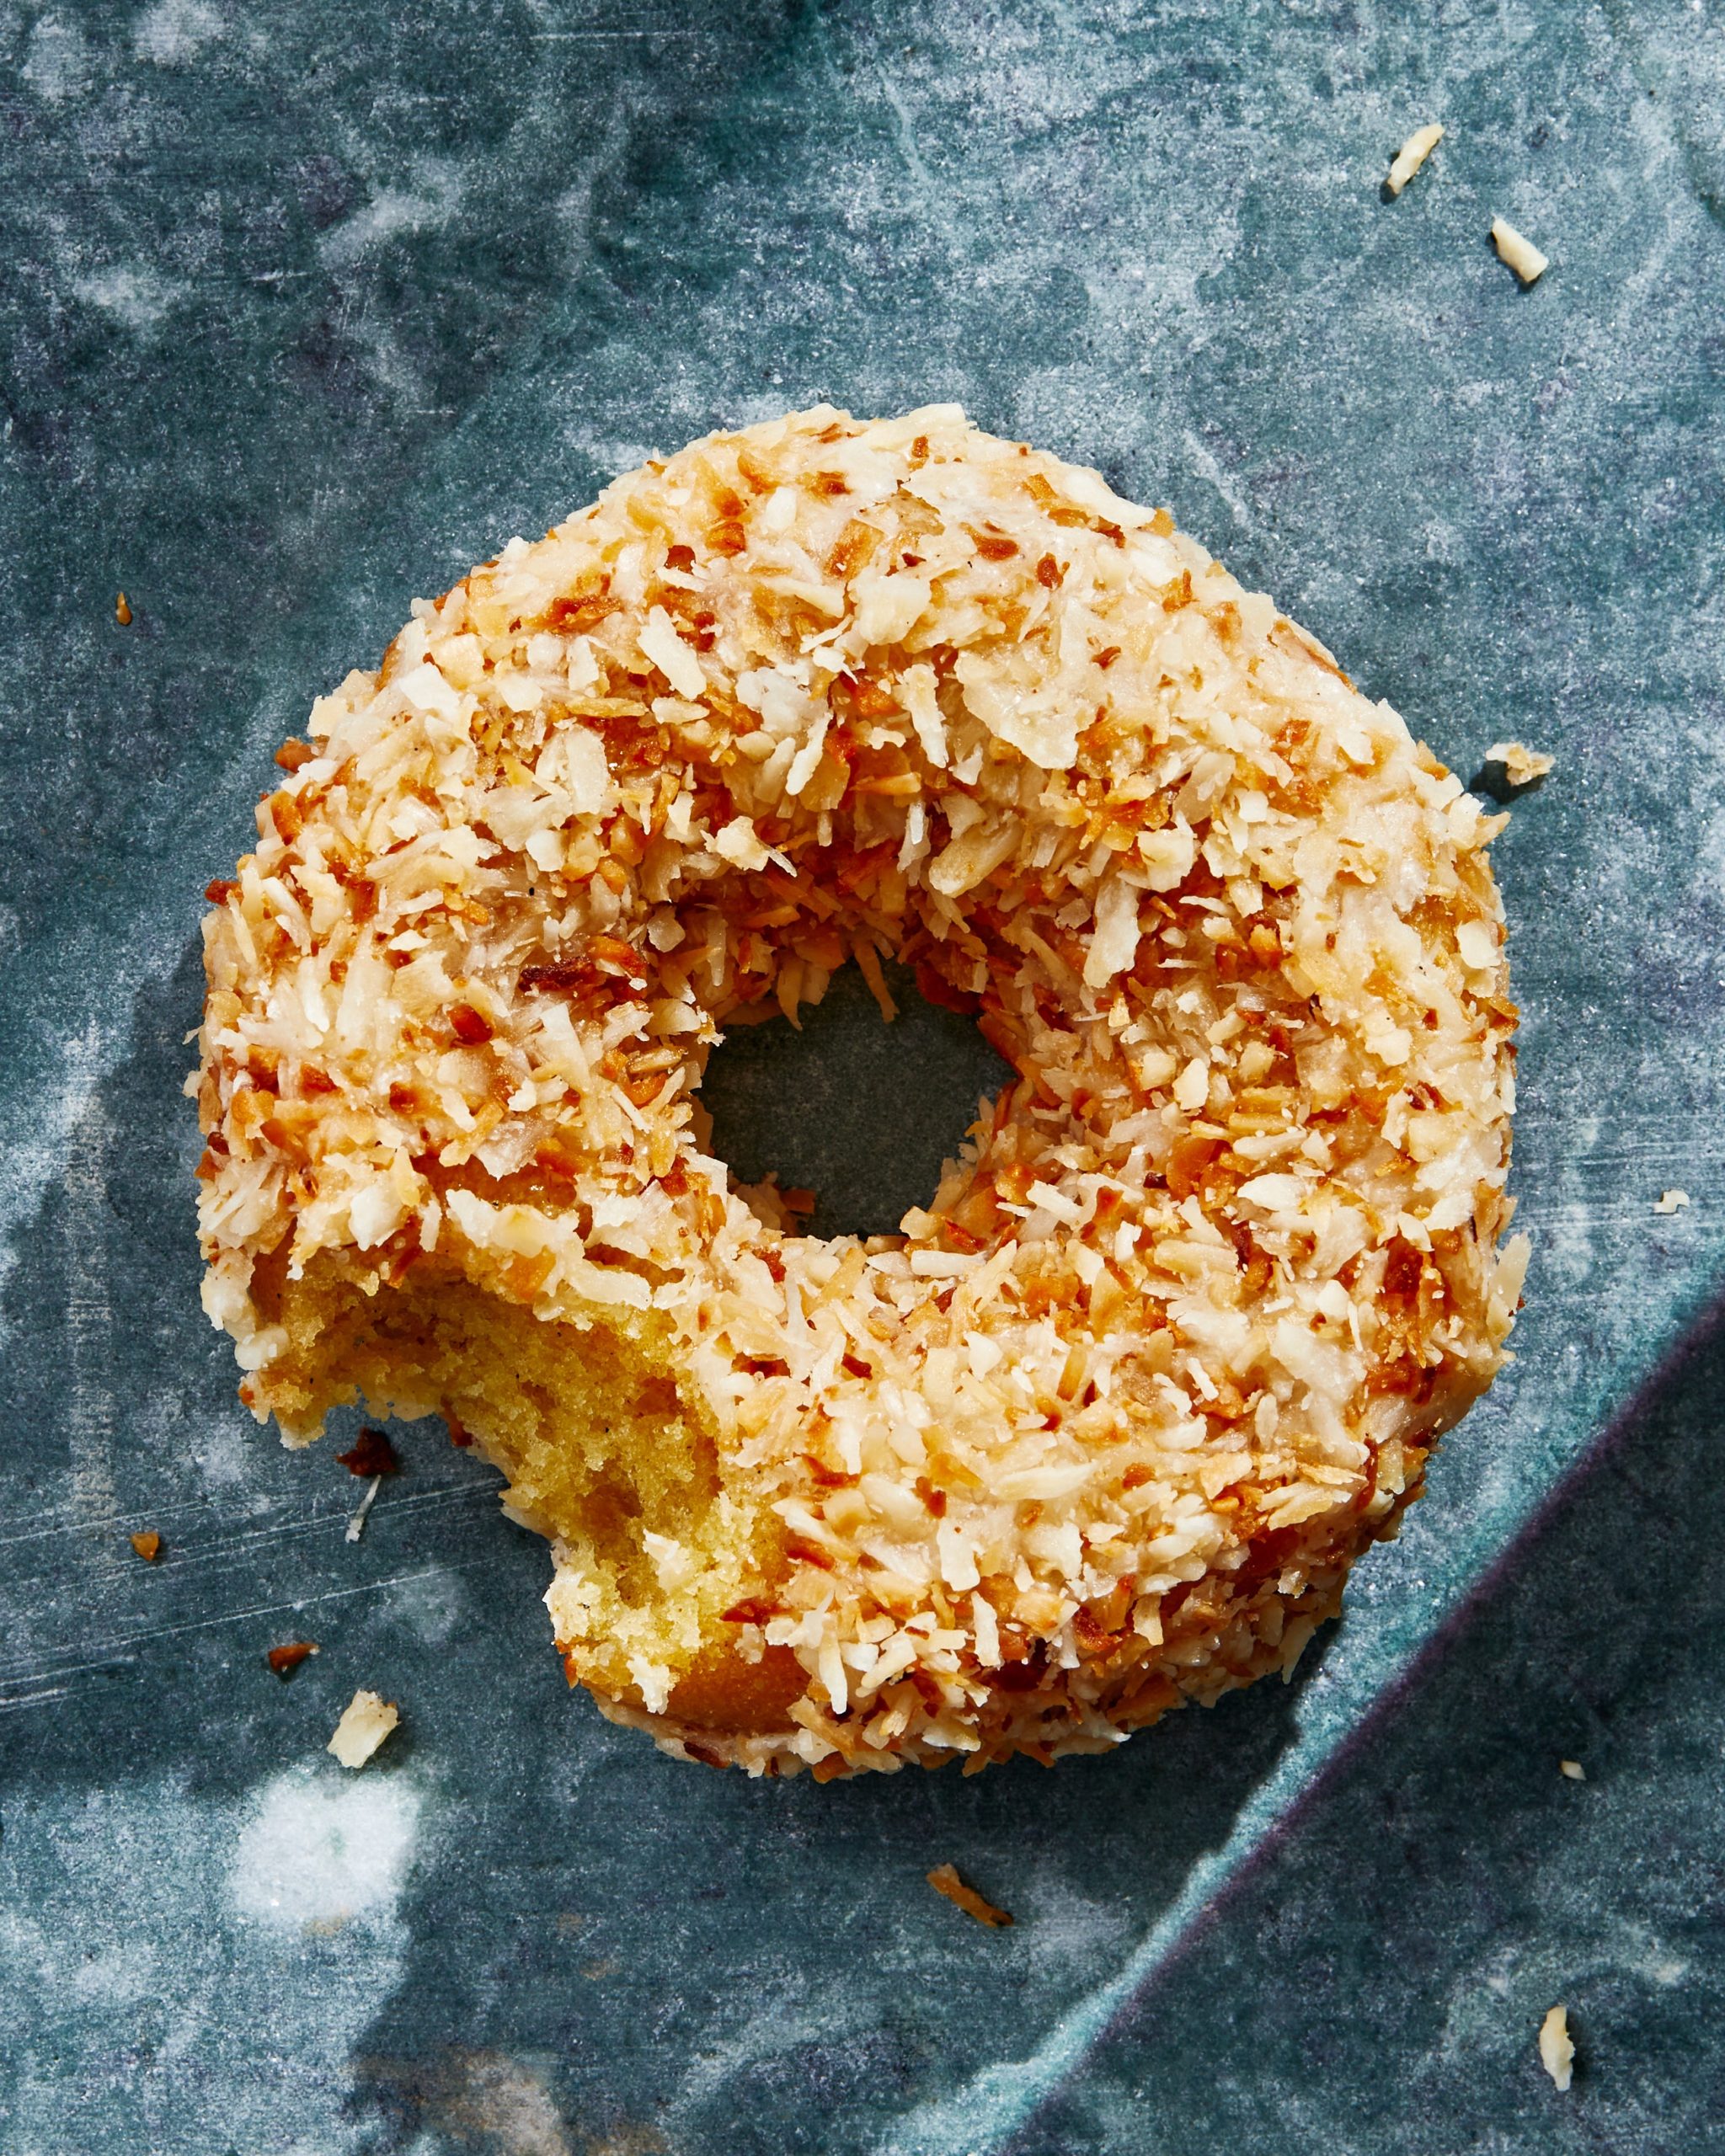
[1102, 1428]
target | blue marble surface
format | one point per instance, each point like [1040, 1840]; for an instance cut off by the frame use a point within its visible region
[305, 308]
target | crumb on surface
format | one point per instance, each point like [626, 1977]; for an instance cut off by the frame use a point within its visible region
[371, 1453]
[287, 1657]
[1556, 2049]
[1521, 766]
[1515, 249]
[362, 1728]
[122, 611]
[148, 1545]
[1572, 1771]
[1671, 1201]
[945, 1880]
[1413, 154]
[356, 1525]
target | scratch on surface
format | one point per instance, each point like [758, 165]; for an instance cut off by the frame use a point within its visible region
[273, 1533]
[34, 1699]
[127, 1648]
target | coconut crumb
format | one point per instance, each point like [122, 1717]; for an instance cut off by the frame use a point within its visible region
[945, 1880]
[364, 1726]
[1521, 766]
[1557, 2050]
[356, 1525]
[1413, 154]
[148, 1545]
[1523, 257]
[1671, 1201]
[1572, 1771]
[122, 611]
[287, 1657]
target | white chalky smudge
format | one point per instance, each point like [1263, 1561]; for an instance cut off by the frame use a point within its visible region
[323, 1852]
[57, 60]
[135, 1952]
[394, 211]
[174, 31]
[138, 296]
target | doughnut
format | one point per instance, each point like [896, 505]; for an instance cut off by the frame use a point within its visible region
[1099, 1431]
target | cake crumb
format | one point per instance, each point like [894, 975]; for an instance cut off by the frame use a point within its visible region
[1413, 154]
[122, 611]
[287, 1658]
[1572, 1771]
[148, 1545]
[1521, 766]
[1523, 257]
[1671, 1201]
[1557, 2050]
[364, 1726]
[945, 1880]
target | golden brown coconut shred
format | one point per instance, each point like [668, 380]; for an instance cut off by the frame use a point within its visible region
[1103, 1428]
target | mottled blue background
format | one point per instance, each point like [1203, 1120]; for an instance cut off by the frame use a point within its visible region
[304, 308]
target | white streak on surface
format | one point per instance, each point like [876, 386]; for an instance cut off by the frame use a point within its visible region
[31, 1156]
[90, 1315]
[1208, 465]
[394, 211]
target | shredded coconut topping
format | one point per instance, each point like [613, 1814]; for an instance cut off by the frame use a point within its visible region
[1101, 1429]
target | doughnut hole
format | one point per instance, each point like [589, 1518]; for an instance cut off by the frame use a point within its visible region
[865, 1116]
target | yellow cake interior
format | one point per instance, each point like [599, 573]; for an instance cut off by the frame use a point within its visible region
[602, 1451]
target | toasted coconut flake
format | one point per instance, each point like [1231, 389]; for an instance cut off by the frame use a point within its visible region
[1556, 2049]
[1572, 1771]
[1521, 766]
[363, 1725]
[1523, 257]
[287, 1658]
[148, 1545]
[1413, 154]
[371, 1455]
[1671, 1201]
[356, 1525]
[945, 1880]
